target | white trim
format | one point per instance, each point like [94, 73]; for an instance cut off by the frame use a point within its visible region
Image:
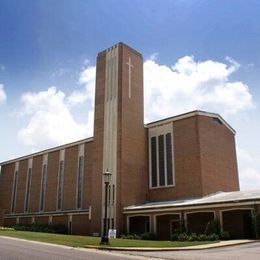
[135, 211]
[187, 115]
[61, 147]
[162, 214]
[110, 127]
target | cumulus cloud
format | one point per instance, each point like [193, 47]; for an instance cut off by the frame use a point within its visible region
[87, 80]
[2, 94]
[50, 120]
[190, 84]
[249, 169]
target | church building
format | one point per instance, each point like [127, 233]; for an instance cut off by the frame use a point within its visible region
[181, 169]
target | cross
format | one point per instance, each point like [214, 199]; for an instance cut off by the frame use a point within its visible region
[130, 66]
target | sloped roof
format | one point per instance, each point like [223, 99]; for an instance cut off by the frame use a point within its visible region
[216, 198]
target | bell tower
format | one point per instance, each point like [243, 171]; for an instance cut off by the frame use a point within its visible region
[119, 135]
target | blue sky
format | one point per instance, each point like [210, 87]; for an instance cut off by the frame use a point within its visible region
[207, 52]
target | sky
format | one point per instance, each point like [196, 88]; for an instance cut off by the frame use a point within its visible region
[197, 55]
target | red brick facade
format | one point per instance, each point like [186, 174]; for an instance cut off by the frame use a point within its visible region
[204, 159]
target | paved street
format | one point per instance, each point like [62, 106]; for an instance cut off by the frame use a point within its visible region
[12, 249]
[240, 252]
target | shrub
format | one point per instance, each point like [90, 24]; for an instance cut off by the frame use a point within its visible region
[183, 237]
[202, 237]
[174, 236]
[58, 228]
[224, 235]
[6, 229]
[193, 237]
[213, 237]
[148, 236]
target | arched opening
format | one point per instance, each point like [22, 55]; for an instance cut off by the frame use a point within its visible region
[201, 222]
[238, 223]
[166, 225]
[139, 224]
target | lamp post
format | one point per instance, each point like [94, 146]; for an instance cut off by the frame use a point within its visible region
[104, 238]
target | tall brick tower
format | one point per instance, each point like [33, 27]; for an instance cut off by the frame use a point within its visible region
[119, 135]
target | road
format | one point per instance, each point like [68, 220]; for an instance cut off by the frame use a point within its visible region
[14, 249]
[240, 252]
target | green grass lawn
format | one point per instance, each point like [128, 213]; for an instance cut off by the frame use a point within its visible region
[83, 241]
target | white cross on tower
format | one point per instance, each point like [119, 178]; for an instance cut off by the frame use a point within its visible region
[130, 66]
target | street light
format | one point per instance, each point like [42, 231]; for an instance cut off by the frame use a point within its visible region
[104, 238]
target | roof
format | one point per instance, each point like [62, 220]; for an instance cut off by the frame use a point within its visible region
[215, 198]
[86, 140]
[190, 114]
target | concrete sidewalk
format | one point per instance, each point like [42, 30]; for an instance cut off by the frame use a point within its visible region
[198, 247]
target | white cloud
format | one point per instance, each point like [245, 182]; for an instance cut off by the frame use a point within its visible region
[50, 120]
[2, 94]
[249, 179]
[87, 79]
[189, 85]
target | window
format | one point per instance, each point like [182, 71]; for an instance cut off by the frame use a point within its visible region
[154, 161]
[161, 160]
[161, 157]
[43, 186]
[27, 191]
[169, 158]
[60, 185]
[14, 191]
[80, 182]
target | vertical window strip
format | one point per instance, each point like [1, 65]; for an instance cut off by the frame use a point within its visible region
[154, 161]
[161, 160]
[43, 187]
[14, 191]
[169, 159]
[80, 182]
[60, 185]
[27, 191]
[109, 194]
[113, 195]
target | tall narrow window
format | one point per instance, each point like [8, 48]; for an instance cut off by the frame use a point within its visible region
[169, 158]
[80, 182]
[43, 186]
[60, 185]
[27, 191]
[161, 160]
[153, 162]
[113, 194]
[14, 191]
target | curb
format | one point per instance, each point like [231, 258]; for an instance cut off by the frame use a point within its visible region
[188, 248]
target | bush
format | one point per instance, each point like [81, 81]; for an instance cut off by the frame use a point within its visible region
[193, 237]
[224, 235]
[6, 229]
[174, 236]
[213, 237]
[183, 237]
[148, 236]
[202, 237]
[58, 228]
